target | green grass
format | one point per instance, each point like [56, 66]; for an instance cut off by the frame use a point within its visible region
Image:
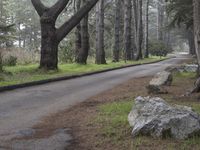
[112, 118]
[27, 73]
[185, 75]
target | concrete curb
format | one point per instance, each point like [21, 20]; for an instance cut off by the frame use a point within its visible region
[34, 83]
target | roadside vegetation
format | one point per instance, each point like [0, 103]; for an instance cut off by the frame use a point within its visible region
[28, 73]
[115, 128]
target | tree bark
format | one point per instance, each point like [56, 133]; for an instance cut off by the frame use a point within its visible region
[146, 30]
[85, 46]
[191, 42]
[196, 4]
[160, 20]
[117, 32]
[51, 36]
[49, 45]
[138, 28]
[196, 23]
[77, 33]
[100, 53]
[127, 29]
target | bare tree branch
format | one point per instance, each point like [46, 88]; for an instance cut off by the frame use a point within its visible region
[74, 20]
[39, 7]
[58, 7]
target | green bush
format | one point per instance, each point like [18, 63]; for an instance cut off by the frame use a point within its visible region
[158, 48]
[1, 63]
[66, 53]
[10, 61]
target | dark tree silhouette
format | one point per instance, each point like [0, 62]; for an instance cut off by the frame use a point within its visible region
[50, 35]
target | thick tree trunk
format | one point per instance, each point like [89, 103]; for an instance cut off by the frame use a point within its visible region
[51, 36]
[100, 53]
[196, 19]
[117, 32]
[127, 29]
[49, 44]
[146, 30]
[85, 46]
[138, 28]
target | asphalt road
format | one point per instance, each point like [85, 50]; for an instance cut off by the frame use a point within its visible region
[22, 108]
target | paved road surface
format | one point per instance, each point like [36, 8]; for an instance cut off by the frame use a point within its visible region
[22, 108]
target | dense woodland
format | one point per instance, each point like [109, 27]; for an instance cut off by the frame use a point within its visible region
[66, 31]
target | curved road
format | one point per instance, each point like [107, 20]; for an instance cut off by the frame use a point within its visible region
[22, 108]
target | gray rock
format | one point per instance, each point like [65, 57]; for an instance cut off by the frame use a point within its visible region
[191, 68]
[183, 68]
[155, 117]
[156, 85]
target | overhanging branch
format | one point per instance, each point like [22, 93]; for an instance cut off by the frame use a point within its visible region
[39, 7]
[58, 7]
[74, 20]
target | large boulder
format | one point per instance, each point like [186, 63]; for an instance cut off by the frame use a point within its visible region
[191, 68]
[161, 79]
[155, 117]
[183, 68]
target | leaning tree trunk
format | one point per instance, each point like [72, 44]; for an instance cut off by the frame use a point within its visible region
[117, 32]
[100, 53]
[51, 37]
[85, 46]
[146, 30]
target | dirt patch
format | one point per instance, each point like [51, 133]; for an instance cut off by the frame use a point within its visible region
[79, 118]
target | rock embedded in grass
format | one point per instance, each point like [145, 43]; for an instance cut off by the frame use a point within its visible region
[161, 79]
[155, 117]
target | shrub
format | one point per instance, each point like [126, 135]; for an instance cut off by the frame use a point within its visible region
[10, 61]
[158, 48]
[66, 53]
[1, 62]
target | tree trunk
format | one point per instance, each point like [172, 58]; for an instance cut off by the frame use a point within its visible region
[160, 20]
[146, 30]
[77, 33]
[51, 36]
[100, 53]
[197, 28]
[196, 21]
[191, 43]
[138, 28]
[85, 46]
[117, 32]
[127, 29]
[49, 44]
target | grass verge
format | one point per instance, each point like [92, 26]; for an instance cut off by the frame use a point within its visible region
[115, 129]
[28, 73]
